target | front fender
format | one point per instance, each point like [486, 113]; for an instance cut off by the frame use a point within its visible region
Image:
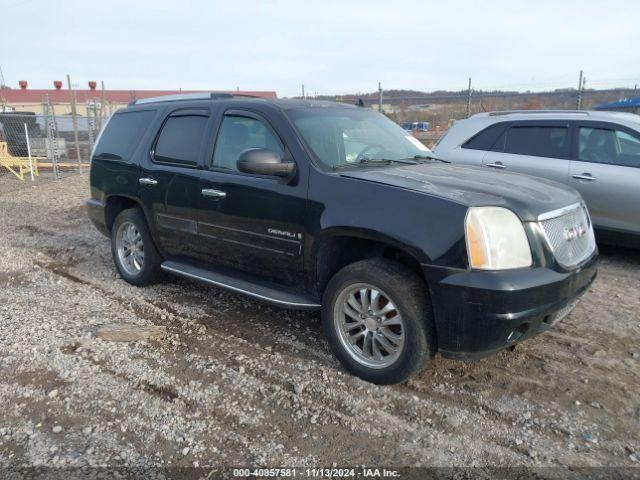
[428, 227]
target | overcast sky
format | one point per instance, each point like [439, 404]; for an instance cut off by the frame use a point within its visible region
[330, 46]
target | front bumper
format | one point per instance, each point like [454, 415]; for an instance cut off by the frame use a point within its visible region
[478, 313]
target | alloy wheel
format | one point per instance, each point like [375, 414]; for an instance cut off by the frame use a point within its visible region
[369, 325]
[130, 248]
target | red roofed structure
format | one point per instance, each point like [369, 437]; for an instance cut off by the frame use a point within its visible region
[26, 99]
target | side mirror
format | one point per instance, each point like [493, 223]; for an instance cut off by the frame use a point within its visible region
[262, 161]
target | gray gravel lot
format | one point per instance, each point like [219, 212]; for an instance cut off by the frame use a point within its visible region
[235, 382]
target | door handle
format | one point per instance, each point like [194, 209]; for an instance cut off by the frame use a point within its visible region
[147, 181]
[585, 176]
[496, 165]
[210, 192]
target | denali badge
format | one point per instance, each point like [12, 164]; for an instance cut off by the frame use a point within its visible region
[284, 233]
[574, 232]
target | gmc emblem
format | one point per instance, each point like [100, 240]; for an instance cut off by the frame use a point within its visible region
[574, 233]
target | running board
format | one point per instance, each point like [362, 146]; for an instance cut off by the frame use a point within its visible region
[259, 290]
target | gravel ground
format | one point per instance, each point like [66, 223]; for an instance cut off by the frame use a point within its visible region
[235, 382]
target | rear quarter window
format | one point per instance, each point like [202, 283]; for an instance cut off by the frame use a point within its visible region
[485, 139]
[122, 134]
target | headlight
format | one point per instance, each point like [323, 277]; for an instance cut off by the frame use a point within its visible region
[496, 239]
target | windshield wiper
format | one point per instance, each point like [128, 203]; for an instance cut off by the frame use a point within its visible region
[385, 161]
[429, 157]
[375, 161]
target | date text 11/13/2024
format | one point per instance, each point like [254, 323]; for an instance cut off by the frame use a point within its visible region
[362, 472]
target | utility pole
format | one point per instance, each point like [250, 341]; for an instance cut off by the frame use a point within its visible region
[380, 98]
[74, 118]
[469, 99]
[303, 97]
[580, 86]
[103, 106]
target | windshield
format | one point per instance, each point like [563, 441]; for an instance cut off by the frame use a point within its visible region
[344, 137]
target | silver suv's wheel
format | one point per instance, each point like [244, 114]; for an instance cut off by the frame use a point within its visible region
[134, 252]
[369, 325]
[378, 321]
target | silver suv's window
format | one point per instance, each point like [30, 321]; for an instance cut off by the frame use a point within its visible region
[537, 141]
[486, 139]
[601, 145]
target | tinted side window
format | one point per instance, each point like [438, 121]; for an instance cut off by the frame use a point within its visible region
[550, 142]
[629, 145]
[602, 145]
[238, 134]
[122, 134]
[485, 139]
[180, 140]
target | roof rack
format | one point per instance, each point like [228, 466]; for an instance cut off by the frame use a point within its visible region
[245, 95]
[182, 96]
[541, 112]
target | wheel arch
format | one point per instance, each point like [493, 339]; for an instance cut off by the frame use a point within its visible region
[114, 204]
[338, 247]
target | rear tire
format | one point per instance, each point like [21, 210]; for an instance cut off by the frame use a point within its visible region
[133, 249]
[378, 320]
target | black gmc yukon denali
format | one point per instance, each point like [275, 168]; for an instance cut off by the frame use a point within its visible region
[316, 205]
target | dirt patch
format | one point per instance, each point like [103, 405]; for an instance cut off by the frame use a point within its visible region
[45, 380]
[13, 279]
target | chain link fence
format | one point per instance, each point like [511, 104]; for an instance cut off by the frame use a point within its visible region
[51, 145]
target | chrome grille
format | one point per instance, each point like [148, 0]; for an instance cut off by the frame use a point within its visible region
[569, 234]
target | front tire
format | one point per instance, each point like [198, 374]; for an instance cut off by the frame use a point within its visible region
[133, 250]
[378, 320]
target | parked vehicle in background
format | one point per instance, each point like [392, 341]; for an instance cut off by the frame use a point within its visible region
[416, 126]
[318, 205]
[597, 153]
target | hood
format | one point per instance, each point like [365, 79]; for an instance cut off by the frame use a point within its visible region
[527, 196]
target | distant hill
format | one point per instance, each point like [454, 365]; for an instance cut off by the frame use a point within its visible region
[559, 98]
[442, 106]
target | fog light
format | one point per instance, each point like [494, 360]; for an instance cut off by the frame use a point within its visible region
[518, 333]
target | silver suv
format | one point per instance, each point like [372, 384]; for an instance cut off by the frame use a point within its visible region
[597, 153]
